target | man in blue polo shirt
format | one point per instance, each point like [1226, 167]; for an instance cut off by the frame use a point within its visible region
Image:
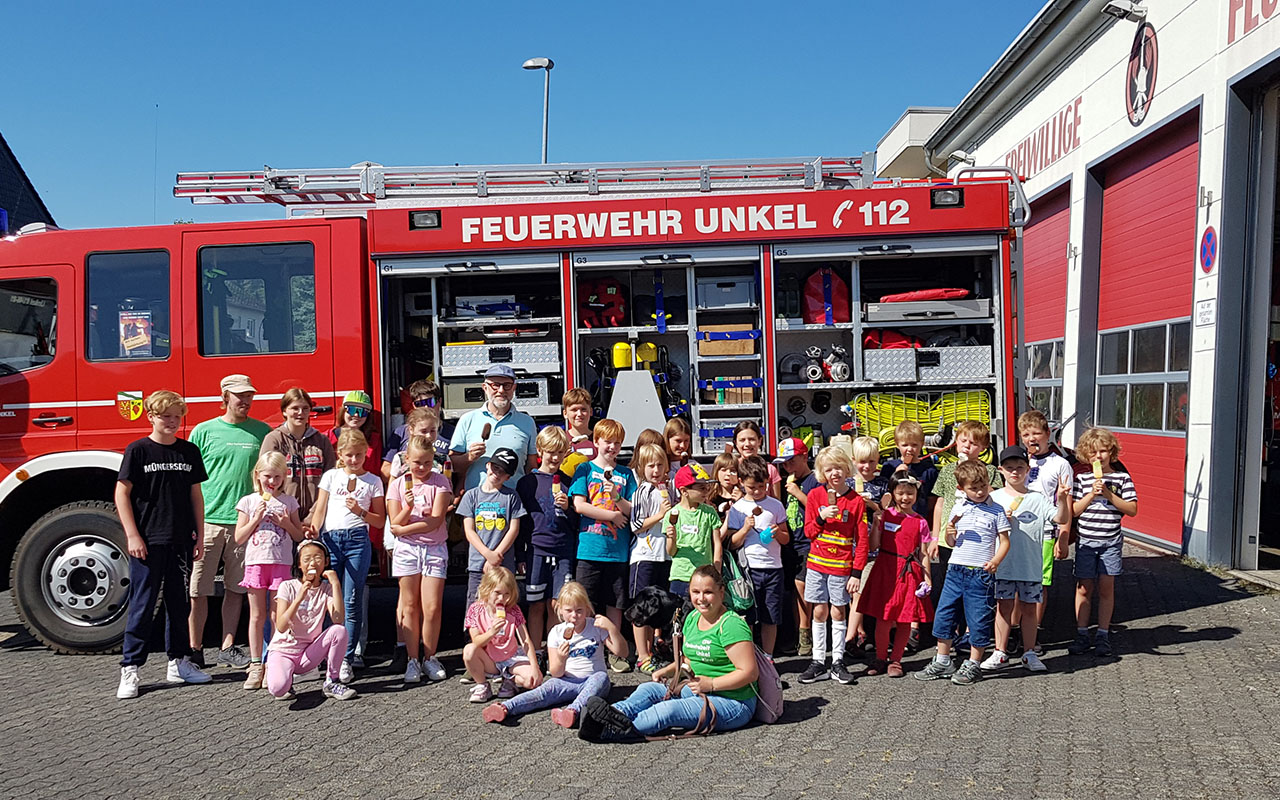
[495, 424]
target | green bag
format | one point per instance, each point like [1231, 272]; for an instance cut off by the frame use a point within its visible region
[739, 591]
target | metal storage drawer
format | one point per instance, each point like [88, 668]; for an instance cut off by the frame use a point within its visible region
[459, 360]
[928, 309]
[890, 366]
[909, 365]
[715, 434]
[728, 292]
[955, 363]
[470, 394]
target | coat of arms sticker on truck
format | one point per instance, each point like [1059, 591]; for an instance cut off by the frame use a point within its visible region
[129, 404]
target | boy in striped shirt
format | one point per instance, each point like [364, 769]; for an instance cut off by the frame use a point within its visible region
[978, 533]
[1102, 498]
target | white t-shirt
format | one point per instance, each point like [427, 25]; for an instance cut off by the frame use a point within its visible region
[1050, 471]
[363, 487]
[1027, 531]
[649, 544]
[759, 555]
[586, 649]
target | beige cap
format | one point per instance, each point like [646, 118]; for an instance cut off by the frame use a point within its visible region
[237, 384]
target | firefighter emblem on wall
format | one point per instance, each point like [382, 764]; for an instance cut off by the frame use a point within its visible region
[1140, 78]
[129, 404]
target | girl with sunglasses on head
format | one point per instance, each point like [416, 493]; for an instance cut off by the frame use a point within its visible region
[357, 413]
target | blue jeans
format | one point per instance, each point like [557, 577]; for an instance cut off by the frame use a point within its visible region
[166, 569]
[652, 713]
[349, 555]
[555, 691]
[973, 590]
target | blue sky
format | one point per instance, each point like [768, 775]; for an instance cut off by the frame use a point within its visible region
[326, 84]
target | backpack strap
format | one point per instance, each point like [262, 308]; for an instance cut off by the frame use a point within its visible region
[705, 726]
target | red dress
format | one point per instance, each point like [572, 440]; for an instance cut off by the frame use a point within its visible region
[890, 593]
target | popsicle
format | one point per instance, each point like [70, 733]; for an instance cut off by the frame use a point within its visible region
[859, 485]
[500, 612]
[1013, 506]
[757, 511]
[484, 433]
[266, 496]
[728, 448]
[666, 495]
[351, 484]
[448, 470]
[1097, 469]
[673, 517]
[555, 486]
[408, 489]
[724, 506]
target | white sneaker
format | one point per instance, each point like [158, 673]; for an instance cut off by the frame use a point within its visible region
[338, 691]
[434, 669]
[1033, 663]
[345, 673]
[181, 670]
[413, 672]
[128, 688]
[995, 662]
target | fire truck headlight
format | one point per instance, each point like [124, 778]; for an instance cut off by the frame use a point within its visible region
[950, 197]
[424, 220]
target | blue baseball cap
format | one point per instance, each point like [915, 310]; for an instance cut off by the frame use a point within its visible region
[500, 371]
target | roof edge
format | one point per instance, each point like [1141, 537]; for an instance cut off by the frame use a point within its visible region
[22, 173]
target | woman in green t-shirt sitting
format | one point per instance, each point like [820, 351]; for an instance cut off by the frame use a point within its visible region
[718, 651]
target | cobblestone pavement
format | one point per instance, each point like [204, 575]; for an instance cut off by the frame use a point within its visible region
[1188, 708]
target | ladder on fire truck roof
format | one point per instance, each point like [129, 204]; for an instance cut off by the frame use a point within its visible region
[369, 184]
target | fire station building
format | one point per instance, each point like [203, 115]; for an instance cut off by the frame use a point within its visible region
[1147, 137]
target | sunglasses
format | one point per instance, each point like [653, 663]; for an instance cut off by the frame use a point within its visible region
[424, 402]
[356, 411]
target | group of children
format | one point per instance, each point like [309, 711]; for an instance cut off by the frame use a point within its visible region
[838, 544]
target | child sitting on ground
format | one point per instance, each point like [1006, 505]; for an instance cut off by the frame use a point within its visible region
[1103, 498]
[497, 630]
[299, 644]
[576, 670]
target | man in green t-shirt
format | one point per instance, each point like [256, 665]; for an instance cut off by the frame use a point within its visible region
[229, 445]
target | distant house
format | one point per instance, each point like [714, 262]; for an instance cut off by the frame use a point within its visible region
[18, 197]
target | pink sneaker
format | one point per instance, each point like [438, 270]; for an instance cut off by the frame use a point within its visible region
[494, 713]
[564, 717]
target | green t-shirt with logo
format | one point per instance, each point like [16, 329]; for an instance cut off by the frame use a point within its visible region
[694, 531]
[707, 650]
[230, 452]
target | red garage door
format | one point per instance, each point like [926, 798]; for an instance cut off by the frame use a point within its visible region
[1044, 263]
[1147, 264]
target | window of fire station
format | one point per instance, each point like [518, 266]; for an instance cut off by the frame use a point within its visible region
[28, 324]
[257, 299]
[1143, 377]
[128, 306]
[1044, 377]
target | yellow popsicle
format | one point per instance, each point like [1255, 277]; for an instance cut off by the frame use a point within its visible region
[1097, 469]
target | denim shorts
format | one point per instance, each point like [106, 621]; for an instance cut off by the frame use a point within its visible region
[969, 591]
[1026, 591]
[547, 576]
[819, 587]
[1094, 561]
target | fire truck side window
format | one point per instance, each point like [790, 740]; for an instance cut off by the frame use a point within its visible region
[257, 299]
[128, 306]
[28, 323]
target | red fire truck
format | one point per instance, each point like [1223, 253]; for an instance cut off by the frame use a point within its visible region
[718, 291]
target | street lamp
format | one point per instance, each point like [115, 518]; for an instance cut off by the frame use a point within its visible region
[546, 64]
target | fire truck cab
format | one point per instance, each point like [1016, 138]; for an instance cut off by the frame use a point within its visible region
[715, 291]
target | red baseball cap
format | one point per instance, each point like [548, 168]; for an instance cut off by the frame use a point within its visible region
[690, 474]
[789, 448]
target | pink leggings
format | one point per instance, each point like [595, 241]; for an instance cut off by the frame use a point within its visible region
[281, 666]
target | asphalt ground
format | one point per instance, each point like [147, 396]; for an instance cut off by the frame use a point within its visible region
[1189, 708]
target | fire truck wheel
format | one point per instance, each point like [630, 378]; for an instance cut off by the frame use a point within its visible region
[70, 578]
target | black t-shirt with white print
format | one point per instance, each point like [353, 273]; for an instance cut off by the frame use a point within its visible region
[162, 476]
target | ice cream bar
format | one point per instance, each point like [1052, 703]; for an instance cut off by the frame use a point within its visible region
[500, 612]
[728, 448]
[311, 573]
[555, 485]
[1017, 501]
[757, 511]
[724, 506]
[791, 479]
[859, 485]
[408, 488]
[351, 484]
[673, 517]
[1097, 469]
[448, 469]
[266, 496]
[484, 434]
[666, 495]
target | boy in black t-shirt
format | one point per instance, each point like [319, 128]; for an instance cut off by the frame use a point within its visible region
[162, 510]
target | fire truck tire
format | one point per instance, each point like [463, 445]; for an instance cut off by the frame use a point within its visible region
[70, 579]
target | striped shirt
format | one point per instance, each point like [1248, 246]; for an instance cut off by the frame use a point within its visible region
[1099, 525]
[977, 532]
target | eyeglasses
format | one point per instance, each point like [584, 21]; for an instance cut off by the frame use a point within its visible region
[501, 386]
[424, 402]
[356, 411]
